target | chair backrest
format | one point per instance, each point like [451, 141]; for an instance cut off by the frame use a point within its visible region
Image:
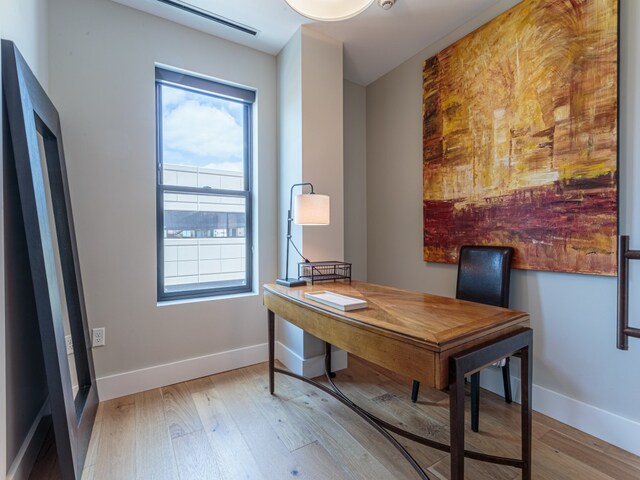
[484, 274]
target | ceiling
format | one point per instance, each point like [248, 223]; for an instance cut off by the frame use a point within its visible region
[375, 41]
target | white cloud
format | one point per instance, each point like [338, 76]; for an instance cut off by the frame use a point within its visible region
[201, 133]
[172, 96]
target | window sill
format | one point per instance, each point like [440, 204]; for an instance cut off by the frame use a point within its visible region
[212, 298]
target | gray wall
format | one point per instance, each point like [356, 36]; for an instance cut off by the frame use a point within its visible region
[355, 178]
[24, 387]
[103, 85]
[310, 149]
[289, 67]
[579, 374]
[322, 139]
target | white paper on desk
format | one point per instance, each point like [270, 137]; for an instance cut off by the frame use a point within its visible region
[335, 300]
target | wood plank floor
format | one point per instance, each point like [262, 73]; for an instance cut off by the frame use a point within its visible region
[227, 426]
[46, 466]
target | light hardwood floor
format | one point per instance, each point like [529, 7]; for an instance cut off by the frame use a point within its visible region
[227, 426]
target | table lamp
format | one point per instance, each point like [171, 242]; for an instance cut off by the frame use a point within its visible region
[310, 209]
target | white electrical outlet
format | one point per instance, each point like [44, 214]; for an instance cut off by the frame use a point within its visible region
[69, 343]
[98, 337]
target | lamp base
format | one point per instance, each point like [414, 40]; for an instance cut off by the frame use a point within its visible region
[291, 282]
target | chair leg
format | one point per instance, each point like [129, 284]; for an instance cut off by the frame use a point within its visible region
[414, 391]
[475, 401]
[506, 378]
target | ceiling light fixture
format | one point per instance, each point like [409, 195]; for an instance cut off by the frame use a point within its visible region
[329, 10]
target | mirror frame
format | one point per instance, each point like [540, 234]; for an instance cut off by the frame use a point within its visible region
[31, 113]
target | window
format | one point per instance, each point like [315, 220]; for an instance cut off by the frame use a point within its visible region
[204, 186]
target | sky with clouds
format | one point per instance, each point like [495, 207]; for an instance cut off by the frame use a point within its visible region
[200, 130]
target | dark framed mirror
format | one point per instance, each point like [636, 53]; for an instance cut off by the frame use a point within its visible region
[36, 141]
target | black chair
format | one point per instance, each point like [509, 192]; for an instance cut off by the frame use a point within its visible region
[484, 275]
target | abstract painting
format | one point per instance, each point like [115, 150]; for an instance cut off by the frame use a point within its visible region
[520, 127]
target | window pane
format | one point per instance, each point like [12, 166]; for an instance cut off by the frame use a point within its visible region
[202, 140]
[204, 242]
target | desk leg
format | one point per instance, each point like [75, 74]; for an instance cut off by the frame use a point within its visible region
[526, 379]
[272, 340]
[327, 360]
[468, 362]
[456, 421]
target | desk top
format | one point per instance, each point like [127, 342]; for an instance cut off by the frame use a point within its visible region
[436, 322]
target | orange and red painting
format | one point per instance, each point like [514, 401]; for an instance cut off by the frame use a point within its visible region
[520, 138]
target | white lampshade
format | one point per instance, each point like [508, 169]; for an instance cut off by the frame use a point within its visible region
[329, 10]
[311, 209]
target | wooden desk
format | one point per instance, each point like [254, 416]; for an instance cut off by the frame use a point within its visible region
[436, 340]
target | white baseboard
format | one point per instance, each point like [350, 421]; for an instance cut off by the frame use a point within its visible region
[309, 367]
[114, 386]
[26, 457]
[619, 431]
[614, 429]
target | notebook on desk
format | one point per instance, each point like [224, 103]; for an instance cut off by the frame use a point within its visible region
[335, 300]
